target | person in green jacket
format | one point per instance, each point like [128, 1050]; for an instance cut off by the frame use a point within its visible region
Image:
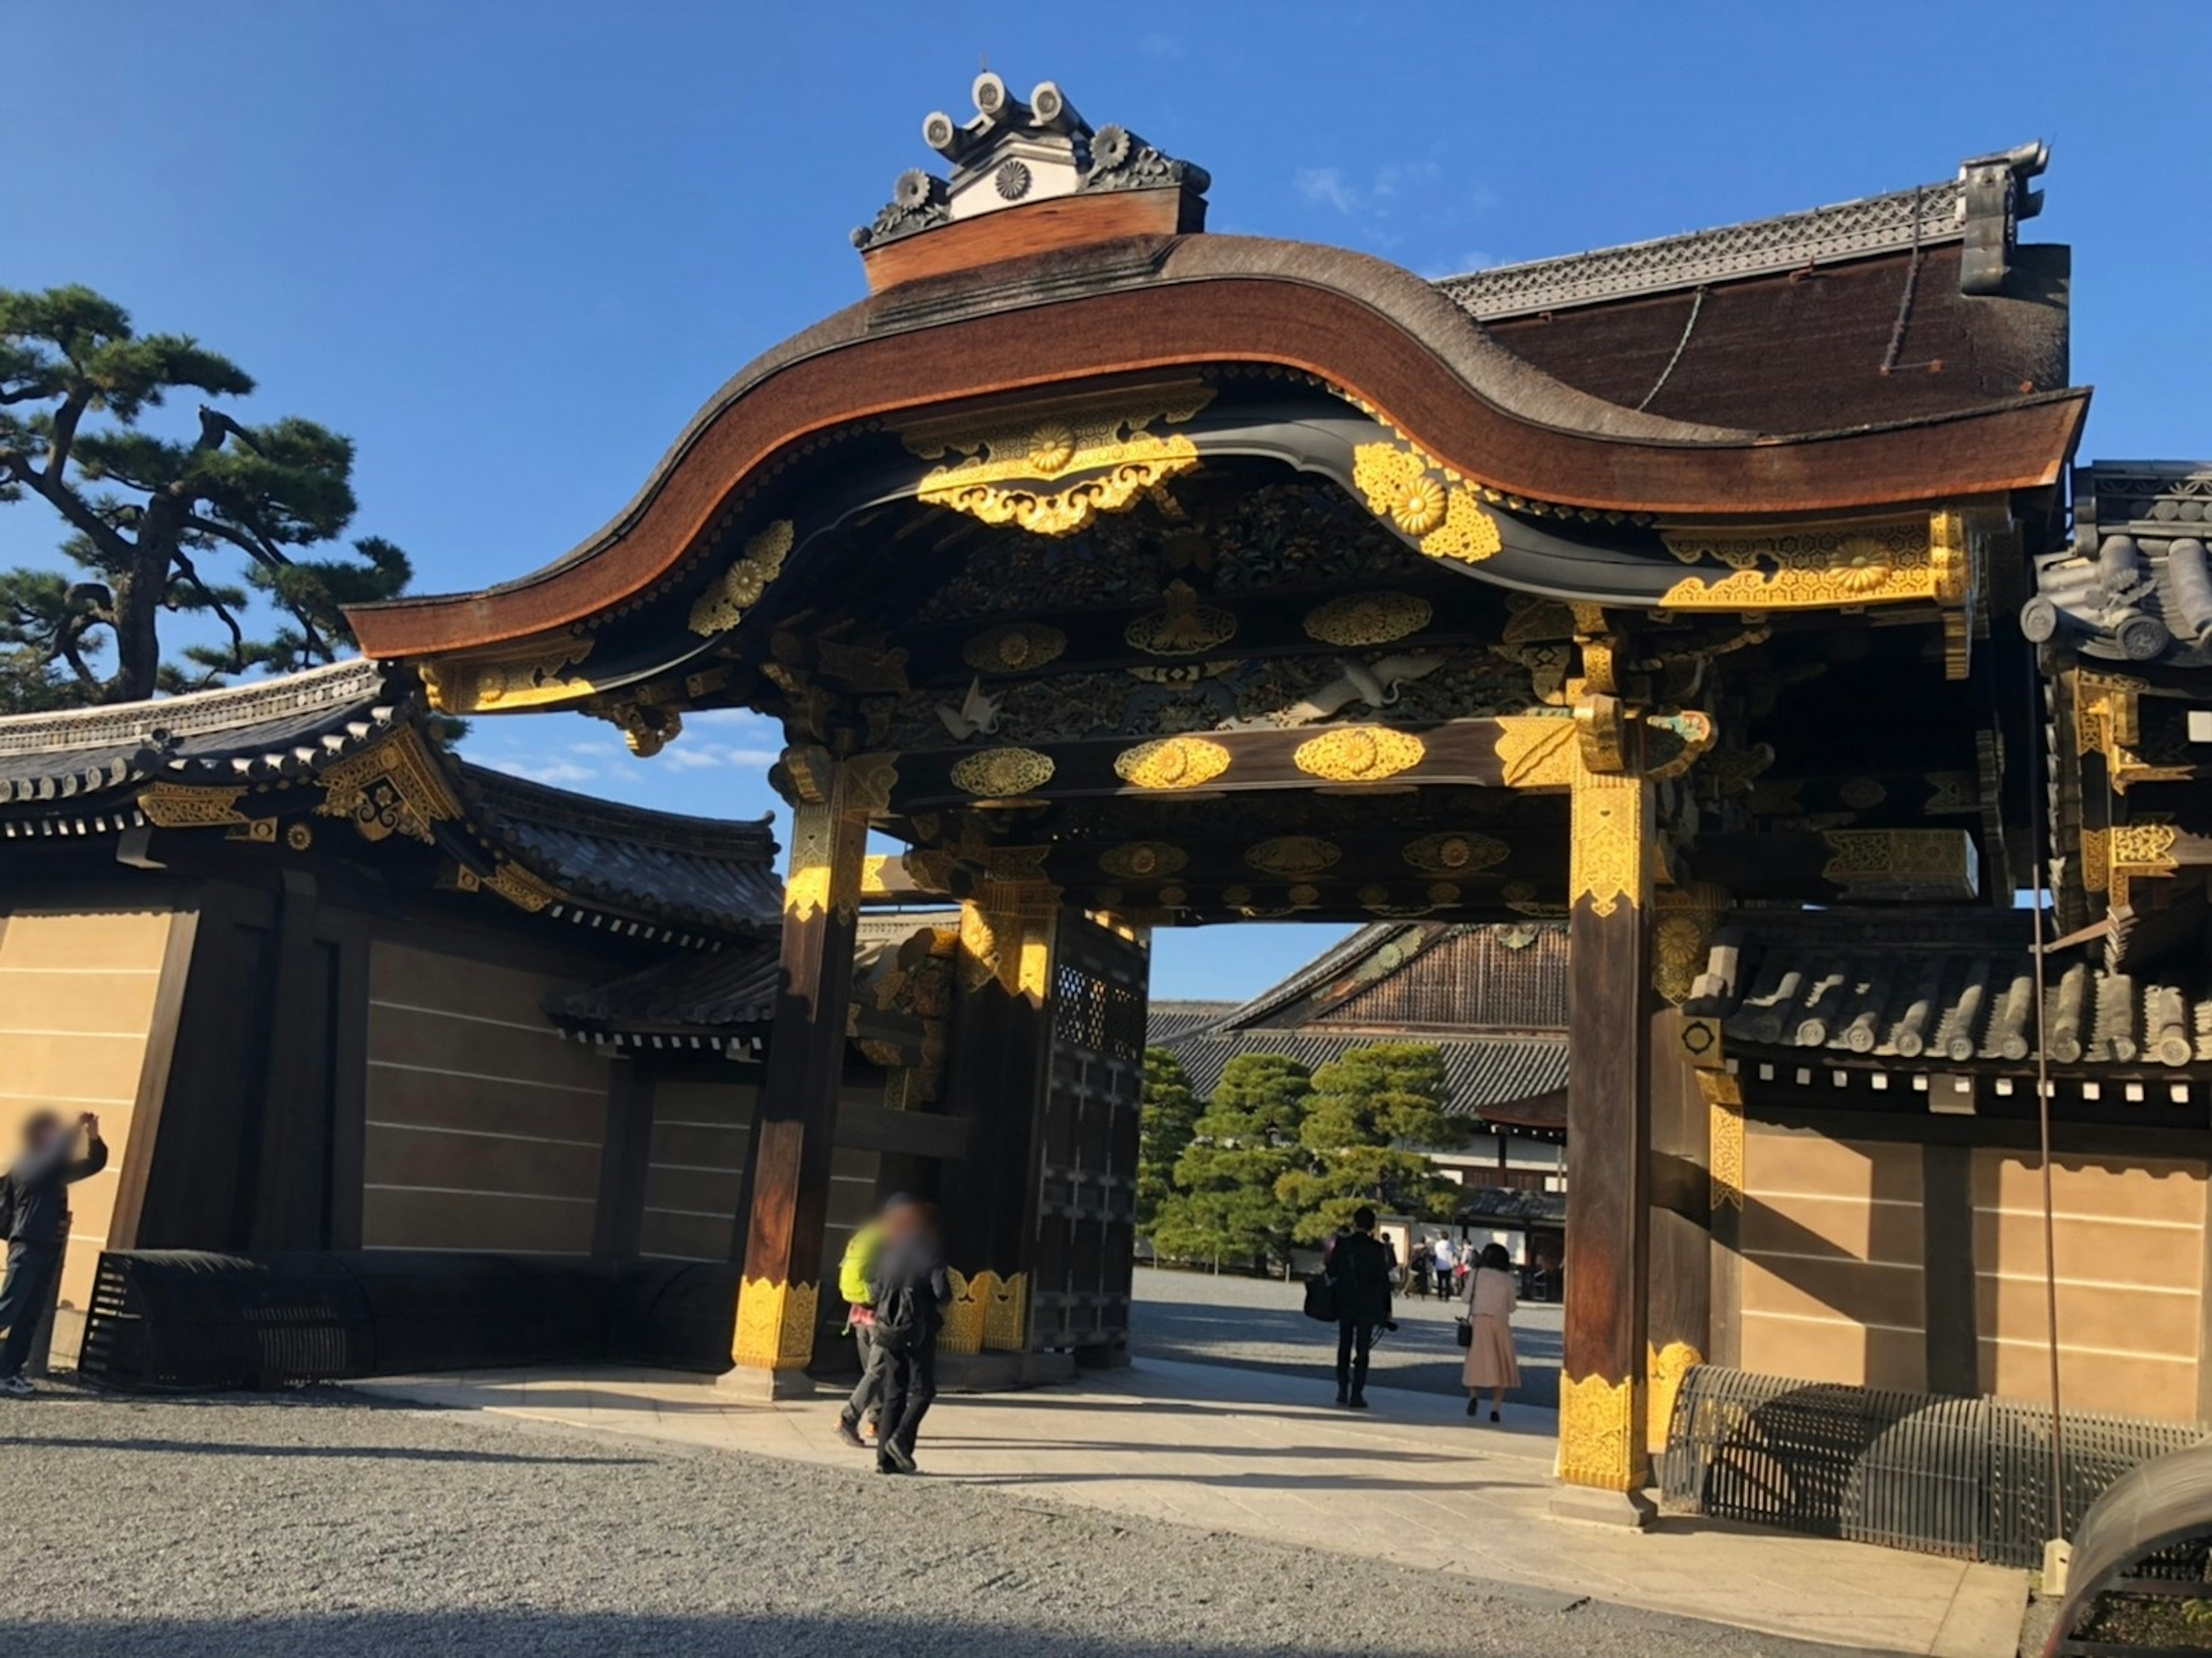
[855, 1273]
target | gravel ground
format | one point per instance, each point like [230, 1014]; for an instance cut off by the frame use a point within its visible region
[1257, 1322]
[321, 1523]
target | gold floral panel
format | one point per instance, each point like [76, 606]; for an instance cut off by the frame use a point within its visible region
[775, 1325]
[998, 773]
[1456, 853]
[1428, 503]
[1601, 1437]
[1172, 762]
[1794, 567]
[1011, 470]
[738, 589]
[1359, 753]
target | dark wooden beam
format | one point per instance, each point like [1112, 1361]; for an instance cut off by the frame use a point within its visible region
[1879, 866]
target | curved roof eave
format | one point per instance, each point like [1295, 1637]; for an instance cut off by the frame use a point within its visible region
[1388, 339]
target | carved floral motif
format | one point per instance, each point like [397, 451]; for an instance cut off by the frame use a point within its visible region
[738, 589]
[1358, 754]
[1359, 619]
[1443, 518]
[1174, 763]
[998, 773]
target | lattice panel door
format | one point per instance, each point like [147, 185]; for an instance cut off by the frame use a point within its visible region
[1087, 1177]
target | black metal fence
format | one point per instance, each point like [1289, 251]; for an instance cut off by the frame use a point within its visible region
[172, 1320]
[1966, 1478]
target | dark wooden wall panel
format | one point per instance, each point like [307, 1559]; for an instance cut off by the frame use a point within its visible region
[484, 1129]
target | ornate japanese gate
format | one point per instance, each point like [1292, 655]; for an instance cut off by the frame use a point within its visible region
[1126, 573]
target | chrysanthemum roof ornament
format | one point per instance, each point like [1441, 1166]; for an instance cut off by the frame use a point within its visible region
[1018, 155]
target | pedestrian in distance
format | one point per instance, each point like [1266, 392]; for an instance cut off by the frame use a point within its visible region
[855, 1273]
[34, 1218]
[911, 1290]
[1360, 1270]
[1420, 1264]
[1443, 1256]
[1492, 1296]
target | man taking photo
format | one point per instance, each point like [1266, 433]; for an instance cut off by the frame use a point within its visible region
[35, 1216]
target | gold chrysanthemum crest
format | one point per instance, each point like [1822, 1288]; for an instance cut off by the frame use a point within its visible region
[1359, 753]
[996, 774]
[1172, 762]
[1424, 502]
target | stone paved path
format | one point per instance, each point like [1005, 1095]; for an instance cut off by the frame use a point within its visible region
[1244, 1451]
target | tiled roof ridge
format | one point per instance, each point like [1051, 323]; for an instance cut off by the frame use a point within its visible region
[502, 794]
[193, 714]
[1868, 226]
[1331, 962]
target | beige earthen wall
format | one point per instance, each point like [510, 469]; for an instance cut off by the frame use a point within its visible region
[77, 997]
[1831, 1276]
[1833, 1287]
[2131, 1271]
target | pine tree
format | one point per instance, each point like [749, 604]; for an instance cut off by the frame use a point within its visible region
[1167, 1122]
[1224, 1204]
[1373, 1115]
[148, 516]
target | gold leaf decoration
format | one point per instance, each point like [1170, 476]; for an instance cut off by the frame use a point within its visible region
[1794, 568]
[997, 773]
[175, 805]
[1358, 754]
[536, 681]
[1600, 1441]
[1304, 894]
[1142, 860]
[1666, 1367]
[1359, 619]
[1725, 1137]
[775, 1325]
[1102, 441]
[738, 588]
[1442, 516]
[394, 788]
[1015, 648]
[1293, 856]
[1538, 752]
[1182, 625]
[1456, 853]
[1172, 762]
[1607, 858]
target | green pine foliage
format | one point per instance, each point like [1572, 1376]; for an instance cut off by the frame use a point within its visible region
[1225, 1205]
[1166, 1123]
[1373, 1115]
[204, 527]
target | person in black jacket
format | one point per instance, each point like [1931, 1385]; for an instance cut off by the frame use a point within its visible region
[37, 1200]
[911, 1292]
[1360, 1269]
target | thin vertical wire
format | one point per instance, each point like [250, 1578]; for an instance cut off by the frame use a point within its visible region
[2040, 806]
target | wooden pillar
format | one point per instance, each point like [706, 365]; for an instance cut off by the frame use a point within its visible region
[996, 1077]
[1603, 1457]
[1681, 1224]
[794, 1130]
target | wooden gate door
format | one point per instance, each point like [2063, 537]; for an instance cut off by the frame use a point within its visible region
[1086, 1195]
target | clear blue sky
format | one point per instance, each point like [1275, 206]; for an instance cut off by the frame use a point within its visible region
[511, 248]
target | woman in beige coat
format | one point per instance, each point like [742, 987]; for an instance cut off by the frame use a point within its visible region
[1491, 1294]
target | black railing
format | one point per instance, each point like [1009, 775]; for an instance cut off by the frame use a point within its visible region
[1965, 1478]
